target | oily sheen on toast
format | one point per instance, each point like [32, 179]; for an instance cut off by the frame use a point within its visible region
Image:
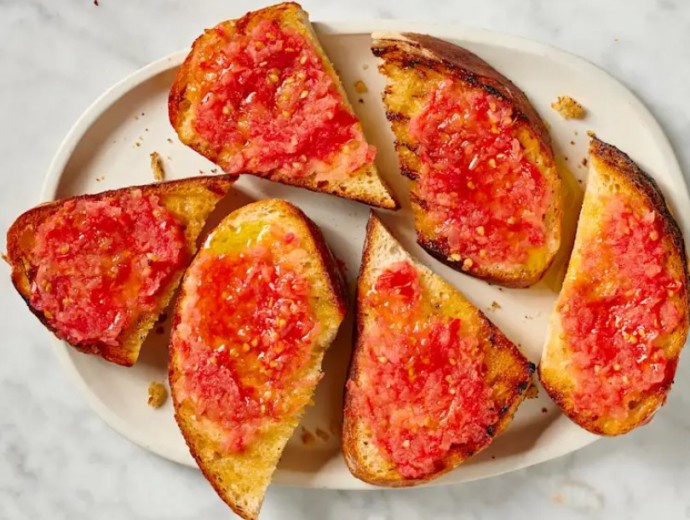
[485, 190]
[259, 305]
[98, 270]
[432, 381]
[258, 95]
[621, 318]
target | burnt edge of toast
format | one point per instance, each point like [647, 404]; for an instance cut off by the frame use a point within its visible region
[449, 59]
[623, 165]
[22, 273]
[457, 454]
[338, 286]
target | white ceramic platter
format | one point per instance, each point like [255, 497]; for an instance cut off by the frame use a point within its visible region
[109, 148]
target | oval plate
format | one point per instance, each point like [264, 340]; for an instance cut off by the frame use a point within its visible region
[109, 148]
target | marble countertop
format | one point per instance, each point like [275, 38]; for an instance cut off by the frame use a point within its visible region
[60, 461]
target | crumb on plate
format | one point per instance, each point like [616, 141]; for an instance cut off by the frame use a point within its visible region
[361, 87]
[568, 108]
[158, 394]
[307, 437]
[532, 392]
[157, 166]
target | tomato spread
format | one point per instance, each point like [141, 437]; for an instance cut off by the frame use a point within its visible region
[246, 331]
[265, 96]
[483, 196]
[619, 311]
[421, 386]
[101, 264]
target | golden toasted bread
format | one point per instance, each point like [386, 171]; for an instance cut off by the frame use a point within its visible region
[88, 267]
[259, 305]
[432, 381]
[621, 318]
[258, 95]
[485, 190]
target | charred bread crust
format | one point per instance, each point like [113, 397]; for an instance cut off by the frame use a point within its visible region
[423, 53]
[23, 271]
[622, 164]
[449, 59]
[522, 372]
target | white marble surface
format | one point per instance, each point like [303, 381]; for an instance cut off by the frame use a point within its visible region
[60, 461]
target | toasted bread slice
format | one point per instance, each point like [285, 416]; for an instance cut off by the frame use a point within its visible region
[98, 270]
[432, 381]
[258, 95]
[259, 305]
[621, 318]
[485, 190]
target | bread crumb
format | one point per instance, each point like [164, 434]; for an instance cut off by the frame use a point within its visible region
[307, 437]
[158, 394]
[170, 140]
[558, 499]
[361, 87]
[322, 435]
[95, 2]
[5, 258]
[568, 108]
[361, 100]
[591, 133]
[365, 66]
[532, 392]
[543, 409]
[495, 306]
[157, 167]
[584, 161]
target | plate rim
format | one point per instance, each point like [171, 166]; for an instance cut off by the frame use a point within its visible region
[442, 30]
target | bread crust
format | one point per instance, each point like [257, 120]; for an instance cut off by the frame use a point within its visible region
[519, 372]
[337, 287]
[619, 165]
[419, 52]
[23, 272]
